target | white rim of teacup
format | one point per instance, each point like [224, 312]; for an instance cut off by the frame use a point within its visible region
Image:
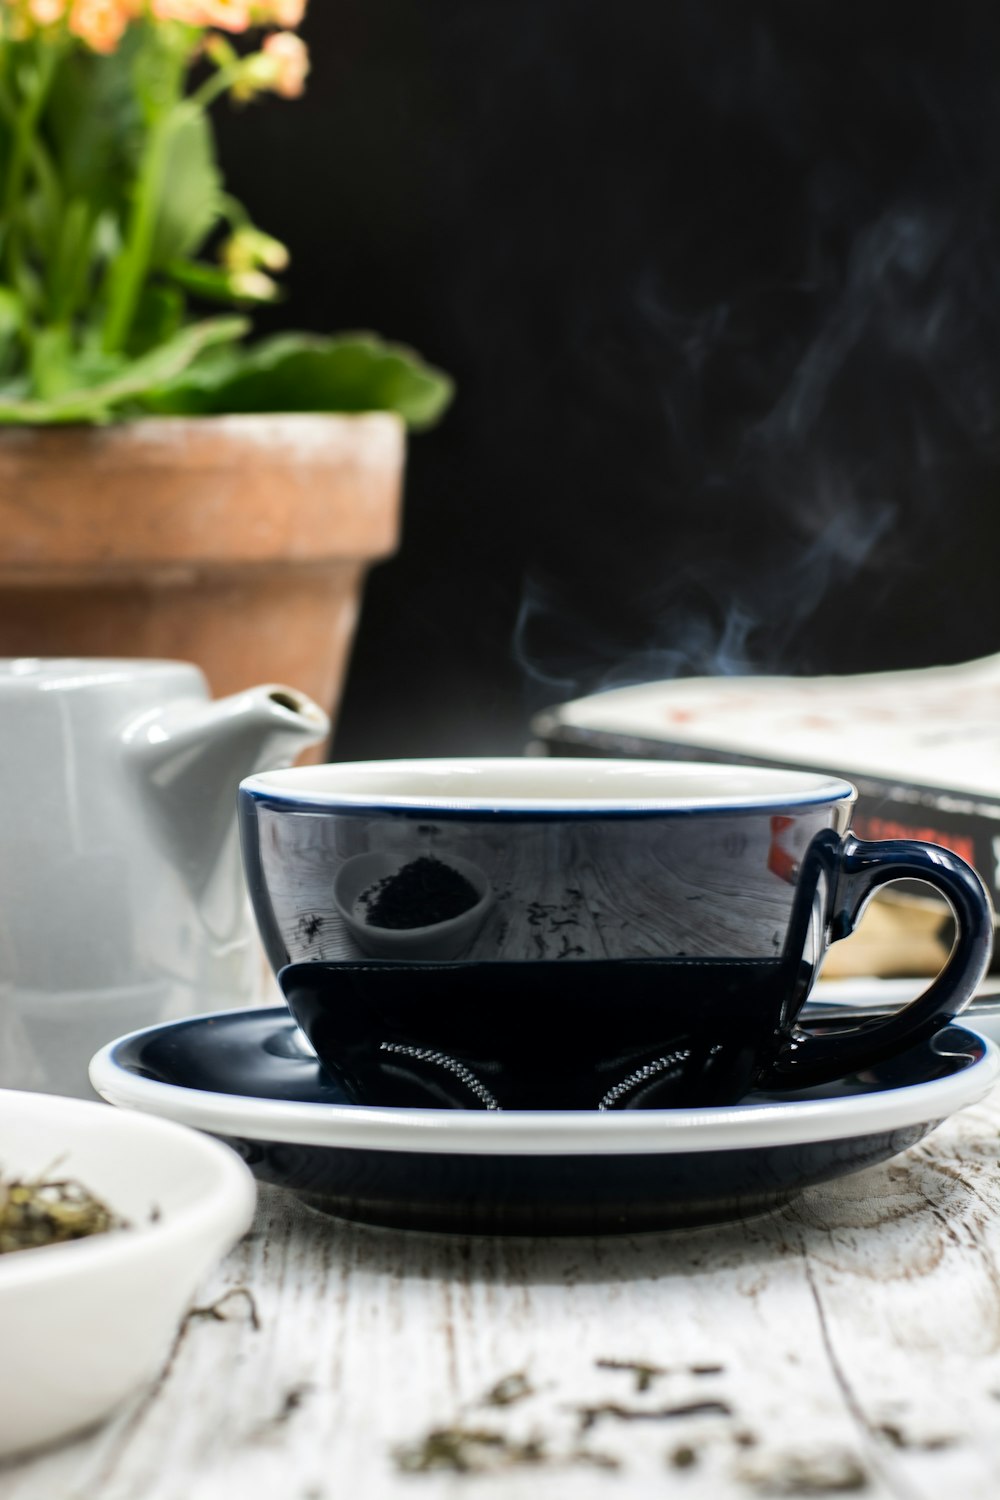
[550, 784]
[541, 1132]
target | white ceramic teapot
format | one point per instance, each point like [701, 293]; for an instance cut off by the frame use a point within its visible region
[121, 896]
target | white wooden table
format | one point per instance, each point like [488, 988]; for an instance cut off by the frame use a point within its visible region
[847, 1344]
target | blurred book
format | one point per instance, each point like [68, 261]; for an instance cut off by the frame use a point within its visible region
[922, 747]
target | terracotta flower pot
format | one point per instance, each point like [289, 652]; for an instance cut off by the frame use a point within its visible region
[239, 543]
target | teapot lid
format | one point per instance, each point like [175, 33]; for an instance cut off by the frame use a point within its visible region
[47, 673]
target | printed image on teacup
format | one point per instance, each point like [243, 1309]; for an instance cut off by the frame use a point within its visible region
[577, 934]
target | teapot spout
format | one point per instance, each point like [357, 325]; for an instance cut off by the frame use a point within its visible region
[190, 757]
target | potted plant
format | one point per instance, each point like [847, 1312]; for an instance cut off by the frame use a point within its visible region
[167, 487]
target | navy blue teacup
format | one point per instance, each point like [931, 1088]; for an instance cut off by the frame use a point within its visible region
[577, 934]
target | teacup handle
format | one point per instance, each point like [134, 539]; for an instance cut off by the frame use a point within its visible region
[862, 867]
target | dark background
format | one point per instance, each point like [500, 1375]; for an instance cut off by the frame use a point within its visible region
[719, 284]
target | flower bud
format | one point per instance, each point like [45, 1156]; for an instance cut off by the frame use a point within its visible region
[280, 67]
[254, 286]
[289, 57]
[249, 249]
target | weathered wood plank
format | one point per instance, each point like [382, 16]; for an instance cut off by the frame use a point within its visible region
[860, 1327]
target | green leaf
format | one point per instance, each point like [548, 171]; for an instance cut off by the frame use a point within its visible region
[11, 322]
[95, 126]
[52, 370]
[101, 401]
[158, 60]
[191, 196]
[305, 372]
[158, 318]
[11, 314]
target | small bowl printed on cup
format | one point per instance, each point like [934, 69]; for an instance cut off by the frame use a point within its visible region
[428, 906]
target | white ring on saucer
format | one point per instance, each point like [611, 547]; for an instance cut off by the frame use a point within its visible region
[543, 1132]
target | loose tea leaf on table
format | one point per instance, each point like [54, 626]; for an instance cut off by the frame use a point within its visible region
[36, 1212]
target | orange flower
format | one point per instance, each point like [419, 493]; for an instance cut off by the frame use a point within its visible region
[228, 15]
[189, 12]
[289, 63]
[286, 13]
[99, 23]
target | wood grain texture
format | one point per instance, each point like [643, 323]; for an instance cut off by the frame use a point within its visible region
[855, 1334]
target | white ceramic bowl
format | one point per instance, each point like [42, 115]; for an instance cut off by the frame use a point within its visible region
[85, 1324]
[442, 940]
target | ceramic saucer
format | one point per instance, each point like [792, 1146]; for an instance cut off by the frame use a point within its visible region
[248, 1077]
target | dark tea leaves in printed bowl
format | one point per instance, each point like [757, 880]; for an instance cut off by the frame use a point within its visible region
[420, 894]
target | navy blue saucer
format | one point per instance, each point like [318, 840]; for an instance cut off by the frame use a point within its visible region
[249, 1078]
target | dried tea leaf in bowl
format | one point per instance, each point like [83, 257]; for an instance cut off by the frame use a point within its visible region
[50, 1211]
